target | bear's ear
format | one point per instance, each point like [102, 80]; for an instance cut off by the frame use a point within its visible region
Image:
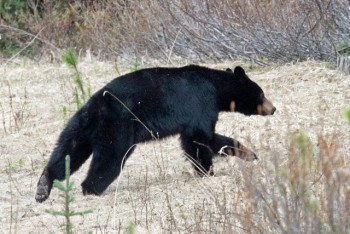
[239, 71]
[229, 70]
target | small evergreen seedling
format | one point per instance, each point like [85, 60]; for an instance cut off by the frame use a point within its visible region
[67, 199]
[81, 92]
[70, 59]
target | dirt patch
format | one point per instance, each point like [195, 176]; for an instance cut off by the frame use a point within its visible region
[157, 191]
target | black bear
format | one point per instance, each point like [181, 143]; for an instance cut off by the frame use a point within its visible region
[153, 103]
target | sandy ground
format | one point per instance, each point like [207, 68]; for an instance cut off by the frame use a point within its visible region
[157, 191]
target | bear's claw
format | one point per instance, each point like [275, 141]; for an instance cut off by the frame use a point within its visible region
[241, 152]
[246, 154]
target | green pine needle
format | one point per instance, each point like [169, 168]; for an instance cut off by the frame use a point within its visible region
[67, 199]
[69, 57]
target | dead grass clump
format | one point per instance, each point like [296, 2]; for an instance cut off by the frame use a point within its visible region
[14, 109]
[343, 63]
[311, 191]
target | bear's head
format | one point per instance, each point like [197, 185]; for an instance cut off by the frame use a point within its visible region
[248, 97]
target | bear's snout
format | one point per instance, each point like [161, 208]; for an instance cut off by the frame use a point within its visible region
[266, 108]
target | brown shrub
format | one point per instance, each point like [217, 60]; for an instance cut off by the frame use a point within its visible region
[270, 30]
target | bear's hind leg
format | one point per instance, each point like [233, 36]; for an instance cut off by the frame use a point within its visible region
[108, 159]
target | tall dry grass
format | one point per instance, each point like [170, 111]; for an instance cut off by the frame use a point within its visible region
[308, 194]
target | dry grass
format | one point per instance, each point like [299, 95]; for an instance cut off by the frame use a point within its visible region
[300, 184]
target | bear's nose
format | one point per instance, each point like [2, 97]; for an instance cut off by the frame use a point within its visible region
[273, 110]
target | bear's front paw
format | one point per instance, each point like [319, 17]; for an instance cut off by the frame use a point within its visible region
[240, 151]
[44, 187]
[246, 154]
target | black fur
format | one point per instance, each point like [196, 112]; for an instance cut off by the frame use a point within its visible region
[154, 102]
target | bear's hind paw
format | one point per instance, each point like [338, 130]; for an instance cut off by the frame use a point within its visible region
[44, 187]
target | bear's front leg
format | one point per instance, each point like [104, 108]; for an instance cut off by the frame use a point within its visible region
[200, 154]
[227, 146]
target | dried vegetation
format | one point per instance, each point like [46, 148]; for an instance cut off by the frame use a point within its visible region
[256, 30]
[299, 185]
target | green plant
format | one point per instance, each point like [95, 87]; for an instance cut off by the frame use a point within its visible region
[67, 199]
[13, 166]
[13, 11]
[130, 229]
[344, 48]
[136, 65]
[347, 115]
[81, 92]
[15, 16]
